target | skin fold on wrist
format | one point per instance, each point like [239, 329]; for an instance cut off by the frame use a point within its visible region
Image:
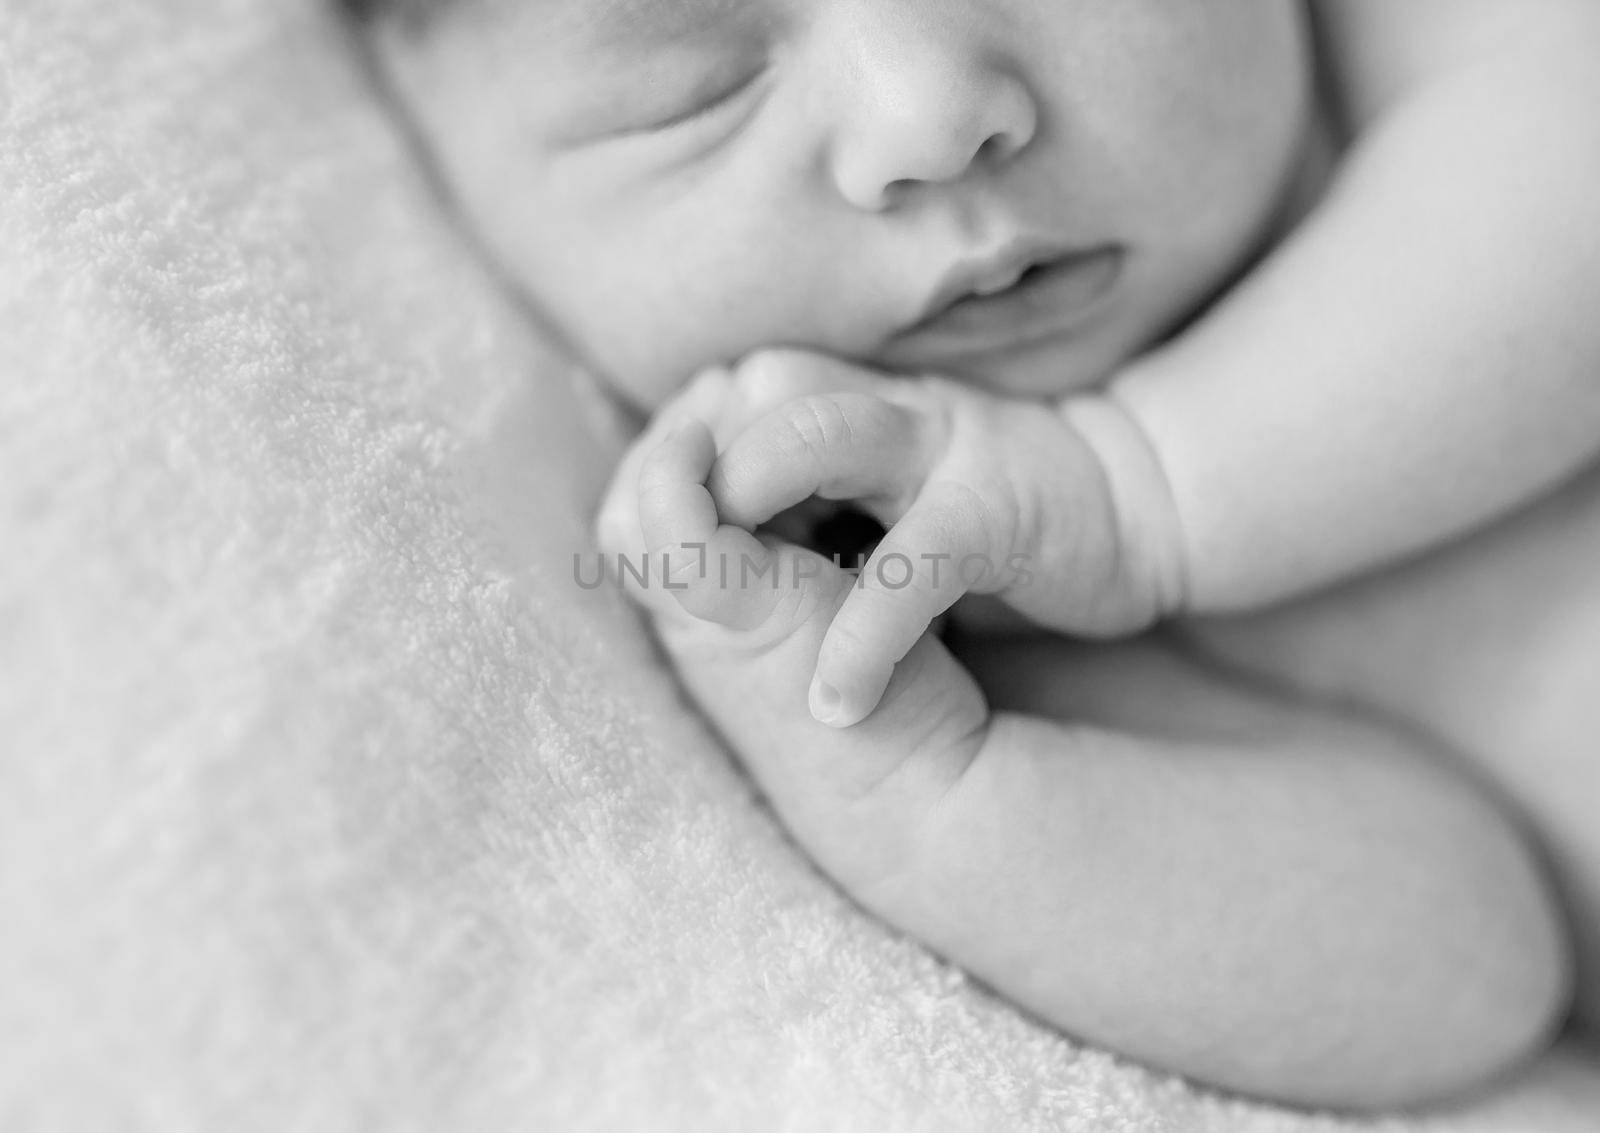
[1149, 527]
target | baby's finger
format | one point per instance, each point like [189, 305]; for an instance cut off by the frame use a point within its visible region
[618, 524]
[768, 378]
[840, 446]
[707, 567]
[925, 563]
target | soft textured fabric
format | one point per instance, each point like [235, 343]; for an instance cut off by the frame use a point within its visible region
[327, 798]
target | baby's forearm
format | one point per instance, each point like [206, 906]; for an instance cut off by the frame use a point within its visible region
[1243, 888]
[1284, 902]
[1421, 357]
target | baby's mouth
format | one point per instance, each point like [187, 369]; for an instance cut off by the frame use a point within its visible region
[1008, 306]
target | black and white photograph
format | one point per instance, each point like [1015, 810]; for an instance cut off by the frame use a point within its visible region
[800, 566]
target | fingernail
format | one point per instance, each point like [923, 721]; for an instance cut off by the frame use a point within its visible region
[827, 706]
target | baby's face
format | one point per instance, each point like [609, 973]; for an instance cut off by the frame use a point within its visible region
[1019, 192]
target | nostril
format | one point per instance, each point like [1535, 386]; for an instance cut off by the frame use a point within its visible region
[896, 190]
[995, 148]
[917, 127]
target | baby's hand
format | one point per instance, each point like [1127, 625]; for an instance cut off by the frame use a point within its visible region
[742, 616]
[979, 494]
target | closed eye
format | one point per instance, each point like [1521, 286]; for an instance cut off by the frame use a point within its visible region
[709, 106]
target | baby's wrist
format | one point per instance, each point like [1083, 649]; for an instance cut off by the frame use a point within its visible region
[1149, 528]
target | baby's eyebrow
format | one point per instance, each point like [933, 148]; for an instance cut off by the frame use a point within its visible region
[635, 23]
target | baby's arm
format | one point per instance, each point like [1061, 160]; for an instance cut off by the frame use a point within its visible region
[979, 494]
[1263, 895]
[1420, 357]
[1423, 354]
[1212, 868]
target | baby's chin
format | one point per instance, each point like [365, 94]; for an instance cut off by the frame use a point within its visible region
[1052, 368]
[1049, 369]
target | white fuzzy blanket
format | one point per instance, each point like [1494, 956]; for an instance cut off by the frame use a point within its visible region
[327, 800]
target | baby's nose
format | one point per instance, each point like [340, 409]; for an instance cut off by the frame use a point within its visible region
[921, 111]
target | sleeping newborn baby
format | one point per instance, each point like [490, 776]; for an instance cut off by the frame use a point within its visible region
[1162, 340]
